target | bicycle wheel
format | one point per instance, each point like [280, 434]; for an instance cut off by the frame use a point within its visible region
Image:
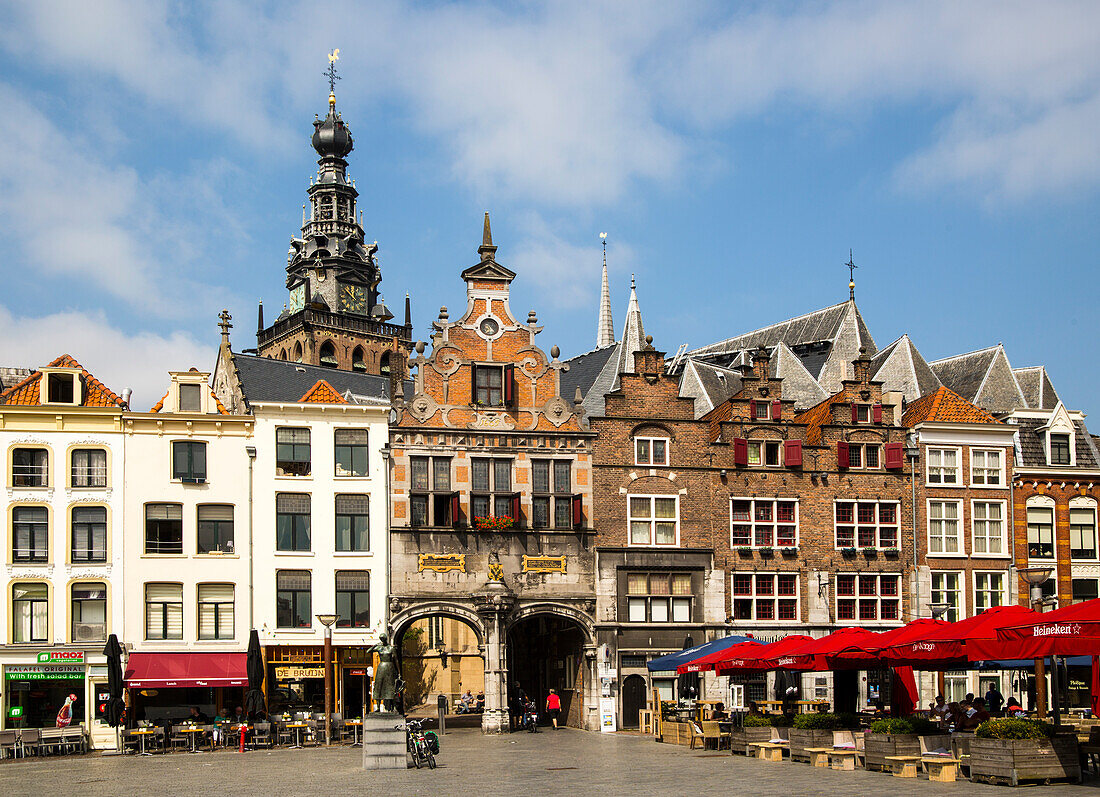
[431, 760]
[416, 755]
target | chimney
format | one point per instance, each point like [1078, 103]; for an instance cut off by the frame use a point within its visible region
[862, 366]
[760, 360]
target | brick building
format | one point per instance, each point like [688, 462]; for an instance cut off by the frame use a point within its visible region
[490, 488]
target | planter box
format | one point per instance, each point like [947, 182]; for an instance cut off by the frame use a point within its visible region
[801, 739]
[676, 733]
[743, 737]
[879, 745]
[1015, 760]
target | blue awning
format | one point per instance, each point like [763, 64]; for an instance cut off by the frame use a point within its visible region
[674, 660]
[1028, 664]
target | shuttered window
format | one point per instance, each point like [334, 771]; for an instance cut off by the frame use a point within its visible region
[215, 611]
[163, 611]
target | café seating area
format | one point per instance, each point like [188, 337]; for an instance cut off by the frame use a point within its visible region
[26, 742]
[287, 731]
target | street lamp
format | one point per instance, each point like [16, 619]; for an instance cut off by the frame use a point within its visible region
[1036, 577]
[938, 610]
[328, 620]
[442, 651]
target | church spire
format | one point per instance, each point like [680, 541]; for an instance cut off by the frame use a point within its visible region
[487, 250]
[605, 328]
[633, 339]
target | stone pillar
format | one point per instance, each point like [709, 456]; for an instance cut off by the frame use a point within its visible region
[494, 602]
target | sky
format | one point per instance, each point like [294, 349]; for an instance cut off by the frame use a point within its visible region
[154, 157]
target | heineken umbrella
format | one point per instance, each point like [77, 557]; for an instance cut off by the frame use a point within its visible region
[688, 682]
[254, 667]
[115, 708]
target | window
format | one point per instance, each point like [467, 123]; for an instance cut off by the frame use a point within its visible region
[653, 520]
[866, 524]
[88, 467]
[489, 385]
[430, 496]
[764, 523]
[216, 528]
[765, 596]
[215, 611]
[767, 453]
[1082, 532]
[864, 455]
[658, 597]
[292, 452]
[946, 589]
[292, 513]
[89, 612]
[190, 398]
[1040, 532]
[1085, 589]
[292, 599]
[863, 413]
[987, 518]
[761, 410]
[943, 466]
[29, 467]
[358, 364]
[30, 526]
[867, 597]
[552, 498]
[352, 523]
[353, 598]
[328, 355]
[384, 364]
[943, 528]
[491, 489]
[650, 451]
[985, 468]
[189, 462]
[60, 389]
[351, 452]
[1059, 449]
[163, 611]
[164, 528]
[29, 612]
[989, 591]
[89, 534]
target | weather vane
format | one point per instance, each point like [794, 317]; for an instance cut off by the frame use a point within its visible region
[851, 264]
[330, 73]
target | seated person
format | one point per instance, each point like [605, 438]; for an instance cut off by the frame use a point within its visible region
[938, 710]
[880, 710]
[198, 717]
[974, 715]
[219, 721]
[238, 716]
[1014, 709]
[718, 712]
[753, 709]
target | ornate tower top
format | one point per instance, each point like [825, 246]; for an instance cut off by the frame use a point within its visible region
[605, 328]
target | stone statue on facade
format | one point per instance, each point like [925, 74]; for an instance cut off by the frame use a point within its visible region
[387, 680]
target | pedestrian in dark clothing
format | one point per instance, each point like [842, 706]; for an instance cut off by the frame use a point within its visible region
[994, 700]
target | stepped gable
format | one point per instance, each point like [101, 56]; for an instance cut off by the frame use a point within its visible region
[816, 417]
[902, 369]
[1036, 387]
[322, 393]
[28, 393]
[983, 377]
[944, 406]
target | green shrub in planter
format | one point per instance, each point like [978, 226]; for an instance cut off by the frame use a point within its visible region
[1014, 729]
[904, 725]
[756, 721]
[816, 722]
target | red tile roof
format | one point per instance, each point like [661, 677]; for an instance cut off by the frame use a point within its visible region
[28, 393]
[322, 393]
[217, 402]
[944, 406]
[818, 416]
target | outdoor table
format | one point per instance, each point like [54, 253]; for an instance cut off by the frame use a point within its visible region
[844, 760]
[769, 751]
[192, 732]
[903, 766]
[356, 727]
[819, 756]
[297, 726]
[141, 733]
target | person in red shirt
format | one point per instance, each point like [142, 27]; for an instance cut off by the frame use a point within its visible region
[553, 707]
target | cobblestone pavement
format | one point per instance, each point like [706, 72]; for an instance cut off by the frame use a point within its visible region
[567, 762]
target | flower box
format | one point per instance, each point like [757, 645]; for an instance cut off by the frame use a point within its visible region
[870, 553]
[802, 738]
[789, 551]
[891, 553]
[1015, 760]
[493, 523]
[848, 552]
[744, 550]
[765, 552]
[878, 746]
[741, 738]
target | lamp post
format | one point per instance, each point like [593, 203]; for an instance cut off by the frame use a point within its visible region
[328, 620]
[938, 610]
[1035, 577]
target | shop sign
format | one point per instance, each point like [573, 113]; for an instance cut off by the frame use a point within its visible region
[44, 672]
[543, 564]
[15, 712]
[61, 657]
[296, 673]
[607, 715]
[441, 562]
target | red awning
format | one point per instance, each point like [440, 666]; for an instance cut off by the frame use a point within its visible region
[165, 670]
[811, 655]
[863, 651]
[941, 647]
[758, 658]
[1070, 631]
[704, 663]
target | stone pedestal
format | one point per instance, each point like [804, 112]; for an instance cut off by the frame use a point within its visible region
[384, 741]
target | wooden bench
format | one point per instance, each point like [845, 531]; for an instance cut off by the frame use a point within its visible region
[941, 769]
[843, 760]
[769, 751]
[819, 756]
[903, 766]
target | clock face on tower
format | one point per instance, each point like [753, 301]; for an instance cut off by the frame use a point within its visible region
[353, 299]
[297, 298]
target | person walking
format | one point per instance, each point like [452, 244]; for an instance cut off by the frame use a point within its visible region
[553, 707]
[994, 699]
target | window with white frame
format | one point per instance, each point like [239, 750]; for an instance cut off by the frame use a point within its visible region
[988, 526]
[947, 589]
[943, 528]
[943, 466]
[864, 456]
[215, 611]
[1082, 532]
[866, 524]
[651, 451]
[658, 597]
[1059, 449]
[985, 467]
[765, 596]
[30, 611]
[30, 534]
[1040, 532]
[763, 523]
[654, 519]
[989, 591]
[867, 596]
[163, 611]
[766, 453]
[30, 467]
[88, 467]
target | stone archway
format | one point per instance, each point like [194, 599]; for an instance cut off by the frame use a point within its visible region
[442, 647]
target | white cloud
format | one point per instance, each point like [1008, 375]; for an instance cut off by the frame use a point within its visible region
[119, 359]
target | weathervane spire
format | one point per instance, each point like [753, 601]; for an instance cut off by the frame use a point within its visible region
[851, 276]
[330, 73]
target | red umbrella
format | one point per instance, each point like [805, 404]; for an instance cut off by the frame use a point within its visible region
[704, 663]
[863, 652]
[811, 655]
[903, 692]
[757, 659]
[1070, 631]
[948, 645]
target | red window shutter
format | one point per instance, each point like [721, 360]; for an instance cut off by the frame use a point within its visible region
[740, 451]
[855, 412]
[752, 409]
[876, 413]
[842, 453]
[792, 454]
[454, 509]
[895, 456]
[578, 512]
[509, 386]
[515, 511]
[777, 410]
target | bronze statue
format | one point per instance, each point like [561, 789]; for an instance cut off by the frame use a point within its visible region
[387, 680]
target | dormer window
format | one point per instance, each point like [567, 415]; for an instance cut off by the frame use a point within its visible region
[1059, 449]
[761, 410]
[651, 451]
[190, 398]
[59, 388]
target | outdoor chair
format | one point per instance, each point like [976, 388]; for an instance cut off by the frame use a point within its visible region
[51, 741]
[697, 735]
[960, 745]
[1090, 750]
[159, 739]
[9, 744]
[177, 738]
[285, 734]
[261, 734]
[74, 740]
[313, 732]
[29, 740]
[130, 741]
[712, 730]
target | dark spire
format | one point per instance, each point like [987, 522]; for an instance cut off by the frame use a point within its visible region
[408, 311]
[487, 250]
[851, 264]
[260, 318]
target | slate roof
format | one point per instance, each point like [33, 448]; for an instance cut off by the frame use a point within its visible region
[944, 406]
[585, 371]
[818, 416]
[799, 384]
[902, 369]
[709, 385]
[27, 393]
[266, 379]
[1038, 391]
[983, 377]
[1033, 454]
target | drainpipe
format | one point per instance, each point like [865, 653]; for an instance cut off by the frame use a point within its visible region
[387, 463]
[251, 451]
[912, 451]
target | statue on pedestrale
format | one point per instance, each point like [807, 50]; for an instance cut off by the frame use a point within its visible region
[387, 680]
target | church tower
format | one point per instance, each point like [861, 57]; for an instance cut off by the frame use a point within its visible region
[335, 315]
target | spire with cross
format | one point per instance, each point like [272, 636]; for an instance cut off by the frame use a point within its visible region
[330, 73]
[851, 276]
[223, 322]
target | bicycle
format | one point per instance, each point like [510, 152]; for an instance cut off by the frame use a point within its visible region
[419, 745]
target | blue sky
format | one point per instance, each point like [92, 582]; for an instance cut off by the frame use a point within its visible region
[155, 158]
